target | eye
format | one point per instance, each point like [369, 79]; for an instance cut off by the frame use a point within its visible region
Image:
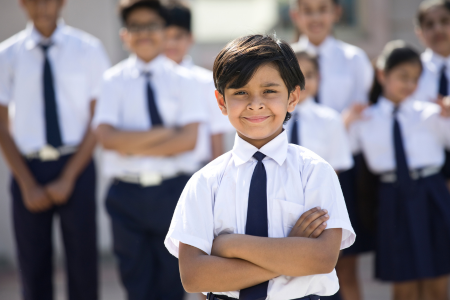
[239, 93]
[270, 91]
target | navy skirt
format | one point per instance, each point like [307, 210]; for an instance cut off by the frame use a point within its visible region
[413, 236]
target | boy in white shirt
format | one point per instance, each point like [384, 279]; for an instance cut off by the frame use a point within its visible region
[235, 229]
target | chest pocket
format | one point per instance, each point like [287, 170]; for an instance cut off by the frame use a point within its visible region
[285, 215]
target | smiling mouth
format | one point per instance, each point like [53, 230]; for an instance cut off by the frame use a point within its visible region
[256, 119]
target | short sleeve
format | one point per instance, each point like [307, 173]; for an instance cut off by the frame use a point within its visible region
[193, 109]
[6, 78]
[322, 188]
[340, 155]
[363, 72]
[98, 64]
[107, 110]
[193, 222]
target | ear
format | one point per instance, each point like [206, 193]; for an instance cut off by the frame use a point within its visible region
[221, 102]
[294, 97]
[21, 3]
[338, 11]
[419, 34]
[381, 76]
[123, 34]
[294, 15]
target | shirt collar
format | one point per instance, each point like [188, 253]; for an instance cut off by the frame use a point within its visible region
[275, 149]
[35, 37]
[326, 48]
[387, 106]
[187, 62]
[436, 59]
[138, 66]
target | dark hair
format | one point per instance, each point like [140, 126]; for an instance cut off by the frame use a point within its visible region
[179, 15]
[303, 54]
[127, 6]
[394, 54]
[426, 5]
[294, 3]
[237, 62]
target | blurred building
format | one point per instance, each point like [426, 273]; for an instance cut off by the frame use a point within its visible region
[366, 23]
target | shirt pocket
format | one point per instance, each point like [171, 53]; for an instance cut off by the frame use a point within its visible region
[285, 215]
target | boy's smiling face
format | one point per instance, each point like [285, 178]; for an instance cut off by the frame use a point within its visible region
[258, 109]
[434, 30]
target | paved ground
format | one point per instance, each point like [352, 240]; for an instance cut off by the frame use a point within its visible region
[111, 289]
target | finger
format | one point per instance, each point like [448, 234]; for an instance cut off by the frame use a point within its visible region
[316, 223]
[311, 218]
[305, 215]
[316, 233]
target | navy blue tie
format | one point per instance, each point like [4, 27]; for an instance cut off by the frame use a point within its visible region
[155, 117]
[403, 177]
[52, 129]
[295, 139]
[443, 82]
[257, 224]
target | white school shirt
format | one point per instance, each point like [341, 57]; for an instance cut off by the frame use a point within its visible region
[214, 202]
[78, 61]
[123, 105]
[425, 134]
[346, 74]
[322, 131]
[428, 88]
[216, 122]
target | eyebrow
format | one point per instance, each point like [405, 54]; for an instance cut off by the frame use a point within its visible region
[269, 84]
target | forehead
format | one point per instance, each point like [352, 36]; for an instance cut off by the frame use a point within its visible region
[266, 73]
[436, 12]
[143, 15]
[315, 3]
[176, 30]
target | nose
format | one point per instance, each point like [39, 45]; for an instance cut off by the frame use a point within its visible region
[256, 103]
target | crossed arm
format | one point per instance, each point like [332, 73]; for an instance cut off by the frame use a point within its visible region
[241, 261]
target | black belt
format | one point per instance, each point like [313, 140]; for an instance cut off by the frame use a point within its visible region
[212, 296]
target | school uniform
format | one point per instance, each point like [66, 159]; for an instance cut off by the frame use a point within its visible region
[261, 192]
[434, 82]
[404, 146]
[137, 96]
[216, 122]
[48, 85]
[346, 74]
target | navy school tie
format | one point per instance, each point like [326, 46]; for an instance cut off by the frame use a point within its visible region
[52, 129]
[403, 177]
[257, 224]
[155, 117]
[295, 139]
[443, 82]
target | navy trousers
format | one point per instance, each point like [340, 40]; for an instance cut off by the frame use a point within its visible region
[140, 218]
[33, 235]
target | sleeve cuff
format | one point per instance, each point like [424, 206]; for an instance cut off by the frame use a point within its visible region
[348, 235]
[174, 238]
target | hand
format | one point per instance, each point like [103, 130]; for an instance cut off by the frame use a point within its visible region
[353, 114]
[444, 103]
[36, 199]
[222, 245]
[311, 223]
[60, 190]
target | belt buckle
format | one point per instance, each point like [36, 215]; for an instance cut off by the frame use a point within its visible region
[150, 179]
[49, 153]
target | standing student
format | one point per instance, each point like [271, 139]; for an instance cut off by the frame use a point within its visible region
[403, 140]
[49, 80]
[345, 79]
[433, 28]
[236, 229]
[179, 40]
[147, 120]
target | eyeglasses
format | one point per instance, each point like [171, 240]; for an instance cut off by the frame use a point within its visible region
[150, 27]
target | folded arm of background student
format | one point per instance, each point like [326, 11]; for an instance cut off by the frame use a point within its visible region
[245, 260]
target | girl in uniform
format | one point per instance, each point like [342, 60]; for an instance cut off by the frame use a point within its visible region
[403, 140]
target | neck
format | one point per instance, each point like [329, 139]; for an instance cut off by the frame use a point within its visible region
[259, 143]
[146, 59]
[393, 99]
[46, 31]
[317, 41]
[444, 54]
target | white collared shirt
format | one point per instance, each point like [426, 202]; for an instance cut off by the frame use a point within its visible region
[78, 61]
[214, 202]
[346, 73]
[216, 122]
[123, 105]
[428, 88]
[425, 134]
[322, 131]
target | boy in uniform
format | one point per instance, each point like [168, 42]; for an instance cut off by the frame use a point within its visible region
[49, 80]
[179, 40]
[236, 228]
[147, 121]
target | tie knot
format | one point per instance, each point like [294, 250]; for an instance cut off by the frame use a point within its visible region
[259, 156]
[146, 74]
[45, 47]
[395, 111]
